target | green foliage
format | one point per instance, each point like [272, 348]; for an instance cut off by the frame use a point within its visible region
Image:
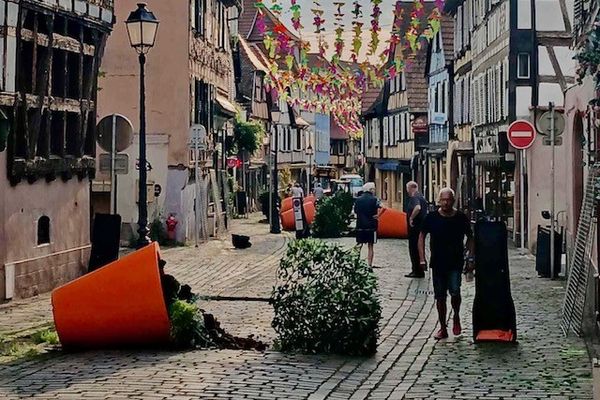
[589, 56]
[247, 136]
[325, 300]
[333, 215]
[45, 336]
[187, 325]
[158, 231]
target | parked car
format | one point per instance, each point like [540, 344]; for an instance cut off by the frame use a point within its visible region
[355, 182]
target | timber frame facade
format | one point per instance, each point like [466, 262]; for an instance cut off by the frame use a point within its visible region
[48, 83]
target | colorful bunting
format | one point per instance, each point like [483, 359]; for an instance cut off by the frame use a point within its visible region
[332, 86]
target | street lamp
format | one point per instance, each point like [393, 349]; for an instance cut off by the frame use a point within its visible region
[309, 152]
[141, 29]
[274, 215]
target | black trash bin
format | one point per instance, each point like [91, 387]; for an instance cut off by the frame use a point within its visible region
[241, 202]
[542, 254]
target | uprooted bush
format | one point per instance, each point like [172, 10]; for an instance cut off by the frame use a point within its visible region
[325, 300]
[333, 215]
[191, 327]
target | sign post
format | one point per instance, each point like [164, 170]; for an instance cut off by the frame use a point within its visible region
[521, 135]
[114, 134]
[552, 125]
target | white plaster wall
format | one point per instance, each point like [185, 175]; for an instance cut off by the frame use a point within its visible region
[524, 94]
[551, 92]
[157, 147]
[568, 65]
[67, 204]
[540, 183]
[549, 16]
[545, 66]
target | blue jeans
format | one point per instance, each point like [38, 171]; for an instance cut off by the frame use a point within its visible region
[445, 281]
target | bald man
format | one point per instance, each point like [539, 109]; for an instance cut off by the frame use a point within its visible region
[415, 212]
[447, 228]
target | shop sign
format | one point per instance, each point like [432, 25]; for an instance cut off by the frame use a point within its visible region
[419, 125]
[486, 142]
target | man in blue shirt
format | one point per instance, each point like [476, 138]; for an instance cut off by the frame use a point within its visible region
[366, 208]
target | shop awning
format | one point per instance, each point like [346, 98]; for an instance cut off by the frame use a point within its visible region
[387, 165]
[489, 159]
[225, 106]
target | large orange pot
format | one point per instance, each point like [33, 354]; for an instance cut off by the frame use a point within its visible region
[288, 222]
[119, 304]
[392, 224]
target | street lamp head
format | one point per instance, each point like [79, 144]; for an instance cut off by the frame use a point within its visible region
[275, 116]
[309, 150]
[142, 26]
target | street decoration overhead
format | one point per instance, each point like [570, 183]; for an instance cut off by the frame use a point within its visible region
[334, 85]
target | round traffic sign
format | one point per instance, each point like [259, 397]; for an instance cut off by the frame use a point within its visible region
[521, 134]
[544, 123]
[114, 125]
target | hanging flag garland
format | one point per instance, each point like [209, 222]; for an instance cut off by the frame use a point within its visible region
[332, 86]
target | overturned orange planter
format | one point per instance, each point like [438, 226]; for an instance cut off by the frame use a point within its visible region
[288, 222]
[392, 224]
[119, 304]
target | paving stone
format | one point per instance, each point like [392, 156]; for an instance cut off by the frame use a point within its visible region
[409, 364]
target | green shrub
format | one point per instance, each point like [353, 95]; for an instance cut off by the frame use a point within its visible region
[187, 325]
[45, 336]
[158, 232]
[333, 215]
[325, 300]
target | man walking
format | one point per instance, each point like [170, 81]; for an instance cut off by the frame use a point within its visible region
[366, 208]
[448, 228]
[416, 212]
[319, 192]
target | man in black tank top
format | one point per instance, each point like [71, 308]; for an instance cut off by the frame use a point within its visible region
[447, 228]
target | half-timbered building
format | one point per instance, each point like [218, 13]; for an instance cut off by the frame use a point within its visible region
[189, 81]
[49, 65]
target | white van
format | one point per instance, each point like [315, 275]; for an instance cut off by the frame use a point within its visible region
[355, 182]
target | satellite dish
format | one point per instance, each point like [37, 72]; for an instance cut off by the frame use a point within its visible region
[123, 133]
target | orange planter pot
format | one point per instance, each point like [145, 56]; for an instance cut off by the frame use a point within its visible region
[116, 305]
[287, 217]
[286, 204]
[392, 224]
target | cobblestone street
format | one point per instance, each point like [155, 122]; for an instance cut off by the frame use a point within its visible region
[408, 364]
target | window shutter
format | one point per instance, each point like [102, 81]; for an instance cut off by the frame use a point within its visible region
[385, 131]
[397, 127]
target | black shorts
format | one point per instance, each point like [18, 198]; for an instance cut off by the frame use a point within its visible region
[446, 281]
[366, 236]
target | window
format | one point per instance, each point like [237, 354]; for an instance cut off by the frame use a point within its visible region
[199, 11]
[298, 139]
[443, 98]
[402, 127]
[523, 66]
[43, 230]
[385, 131]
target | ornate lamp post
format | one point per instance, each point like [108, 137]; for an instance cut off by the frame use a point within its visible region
[274, 214]
[309, 152]
[142, 26]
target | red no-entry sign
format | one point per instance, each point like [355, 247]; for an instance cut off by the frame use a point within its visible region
[521, 134]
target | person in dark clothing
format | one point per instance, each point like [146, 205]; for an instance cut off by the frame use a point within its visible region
[447, 228]
[416, 212]
[366, 208]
